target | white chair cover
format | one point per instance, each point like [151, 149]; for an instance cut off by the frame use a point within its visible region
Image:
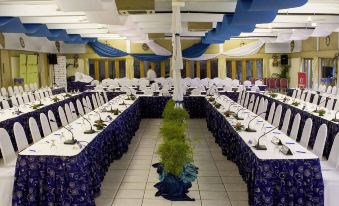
[271, 114]
[20, 136]
[73, 111]
[14, 101]
[80, 108]
[315, 99]
[46, 129]
[277, 116]
[10, 91]
[295, 127]
[7, 150]
[62, 116]
[89, 104]
[25, 98]
[330, 103]
[31, 97]
[52, 121]
[286, 122]
[20, 100]
[333, 158]
[68, 113]
[320, 140]
[5, 104]
[35, 132]
[95, 104]
[305, 137]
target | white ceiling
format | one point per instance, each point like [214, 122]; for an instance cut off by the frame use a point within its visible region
[99, 18]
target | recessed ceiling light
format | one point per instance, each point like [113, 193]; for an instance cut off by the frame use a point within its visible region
[309, 18]
[314, 24]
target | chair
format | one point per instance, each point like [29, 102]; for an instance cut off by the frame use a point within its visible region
[4, 92]
[305, 137]
[21, 89]
[26, 88]
[84, 102]
[95, 104]
[286, 121]
[255, 108]
[277, 116]
[294, 94]
[20, 136]
[105, 96]
[315, 99]
[16, 90]
[7, 150]
[80, 108]
[97, 97]
[46, 129]
[101, 99]
[5, 104]
[36, 95]
[329, 90]
[62, 116]
[330, 103]
[303, 96]
[52, 121]
[322, 101]
[10, 91]
[246, 99]
[240, 96]
[25, 98]
[35, 132]
[31, 97]
[74, 113]
[258, 83]
[41, 93]
[283, 84]
[331, 185]
[308, 97]
[14, 101]
[320, 140]
[20, 100]
[263, 115]
[251, 103]
[271, 114]
[333, 158]
[89, 104]
[196, 92]
[68, 113]
[261, 106]
[31, 87]
[295, 127]
[334, 90]
[336, 106]
[272, 84]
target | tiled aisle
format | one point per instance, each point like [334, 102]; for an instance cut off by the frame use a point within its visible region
[130, 180]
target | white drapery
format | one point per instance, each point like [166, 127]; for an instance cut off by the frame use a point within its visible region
[157, 49]
[177, 63]
[249, 49]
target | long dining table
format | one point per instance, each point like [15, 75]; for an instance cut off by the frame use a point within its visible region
[305, 109]
[273, 177]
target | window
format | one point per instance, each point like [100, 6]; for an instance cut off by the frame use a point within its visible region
[229, 69]
[249, 69]
[122, 68]
[136, 66]
[111, 69]
[214, 68]
[101, 70]
[238, 73]
[92, 68]
[167, 68]
[157, 68]
[260, 68]
[326, 71]
[308, 69]
[203, 69]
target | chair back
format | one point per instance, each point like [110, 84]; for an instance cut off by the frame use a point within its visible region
[305, 137]
[68, 113]
[250, 104]
[94, 100]
[334, 154]
[286, 122]
[330, 103]
[315, 99]
[271, 114]
[89, 104]
[34, 129]
[308, 97]
[20, 99]
[14, 101]
[62, 116]
[320, 140]
[5, 104]
[7, 149]
[52, 121]
[25, 98]
[255, 108]
[295, 127]
[277, 116]
[80, 108]
[73, 111]
[20, 136]
[46, 128]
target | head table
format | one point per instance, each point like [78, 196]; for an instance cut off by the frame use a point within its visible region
[70, 175]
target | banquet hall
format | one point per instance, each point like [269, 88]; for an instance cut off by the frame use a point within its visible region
[169, 102]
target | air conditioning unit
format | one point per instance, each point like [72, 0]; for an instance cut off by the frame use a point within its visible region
[133, 7]
[199, 26]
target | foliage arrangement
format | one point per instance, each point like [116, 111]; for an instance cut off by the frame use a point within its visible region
[295, 103]
[114, 111]
[68, 95]
[239, 127]
[217, 105]
[321, 112]
[175, 151]
[37, 106]
[211, 99]
[228, 113]
[131, 97]
[55, 99]
[273, 95]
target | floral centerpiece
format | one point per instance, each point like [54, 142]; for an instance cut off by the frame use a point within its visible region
[239, 127]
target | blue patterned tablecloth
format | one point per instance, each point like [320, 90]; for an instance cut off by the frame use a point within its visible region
[75, 180]
[332, 130]
[269, 182]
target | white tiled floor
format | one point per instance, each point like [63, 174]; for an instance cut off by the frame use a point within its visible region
[130, 180]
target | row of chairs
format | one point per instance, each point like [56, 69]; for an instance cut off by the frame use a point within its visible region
[324, 89]
[276, 84]
[306, 96]
[259, 106]
[11, 91]
[26, 98]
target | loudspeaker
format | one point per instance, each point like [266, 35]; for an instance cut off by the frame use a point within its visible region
[284, 59]
[52, 59]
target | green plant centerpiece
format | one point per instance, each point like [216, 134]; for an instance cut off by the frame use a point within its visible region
[176, 153]
[67, 95]
[228, 113]
[131, 97]
[321, 112]
[211, 99]
[217, 105]
[55, 99]
[272, 94]
[37, 106]
[114, 111]
[239, 127]
[295, 103]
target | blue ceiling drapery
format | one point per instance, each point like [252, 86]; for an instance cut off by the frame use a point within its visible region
[11, 25]
[196, 50]
[149, 57]
[37, 30]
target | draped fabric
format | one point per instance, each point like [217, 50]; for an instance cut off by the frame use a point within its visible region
[37, 30]
[157, 49]
[195, 51]
[149, 57]
[106, 51]
[11, 25]
[249, 49]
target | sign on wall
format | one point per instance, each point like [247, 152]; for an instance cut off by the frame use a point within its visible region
[302, 81]
[60, 73]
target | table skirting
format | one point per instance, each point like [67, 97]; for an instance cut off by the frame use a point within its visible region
[332, 131]
[269, 182]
